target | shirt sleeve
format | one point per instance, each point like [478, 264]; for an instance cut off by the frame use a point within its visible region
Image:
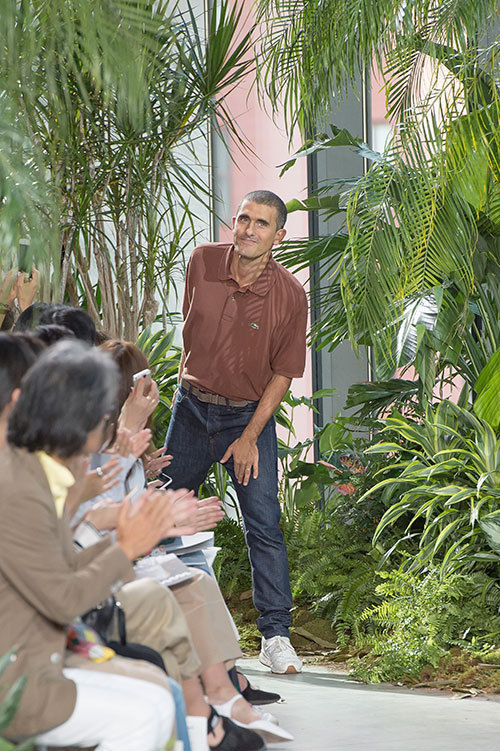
[188, 289]
[34, 564]
[289, 354]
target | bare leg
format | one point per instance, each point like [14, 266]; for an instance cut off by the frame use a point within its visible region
[219, 689]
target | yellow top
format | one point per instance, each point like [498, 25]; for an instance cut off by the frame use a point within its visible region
[60, 480]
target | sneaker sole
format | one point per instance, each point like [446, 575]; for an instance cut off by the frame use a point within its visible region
[290, 670]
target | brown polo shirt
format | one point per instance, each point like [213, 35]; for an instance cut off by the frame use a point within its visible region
[236, 338]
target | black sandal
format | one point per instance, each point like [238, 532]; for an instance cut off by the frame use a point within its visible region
[253, 695]
[235, 738]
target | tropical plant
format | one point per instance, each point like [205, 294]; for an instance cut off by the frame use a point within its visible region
[9, 704]
[406, 273]
[164, 357]
[110, 123]
[231, 565]
[332, 570]
[419, 618]
[443, 486]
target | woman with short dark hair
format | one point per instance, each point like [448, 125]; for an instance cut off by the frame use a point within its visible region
[16, 357]
[59, 417]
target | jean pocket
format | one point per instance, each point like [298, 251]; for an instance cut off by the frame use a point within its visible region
[182, 394]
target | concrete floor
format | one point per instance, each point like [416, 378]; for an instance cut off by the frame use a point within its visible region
[327, 712]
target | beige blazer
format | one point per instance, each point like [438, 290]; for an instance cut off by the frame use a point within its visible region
[44, 585]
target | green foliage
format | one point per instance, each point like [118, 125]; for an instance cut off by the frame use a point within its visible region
[444, 484]
[419, 618]
[487, 387]
[413, 271]
[9, 704]
[330, 569]
[164, 358]
[103, 130]
[312, 50]
[231, 566]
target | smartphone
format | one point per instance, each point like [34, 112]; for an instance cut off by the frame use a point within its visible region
[141, 374]
[24, 257]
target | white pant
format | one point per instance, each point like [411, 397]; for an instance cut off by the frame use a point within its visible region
[115, 713]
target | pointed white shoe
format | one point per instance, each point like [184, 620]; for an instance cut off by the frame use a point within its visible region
[266, 729]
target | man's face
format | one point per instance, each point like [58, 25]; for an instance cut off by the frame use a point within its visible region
[255, 231]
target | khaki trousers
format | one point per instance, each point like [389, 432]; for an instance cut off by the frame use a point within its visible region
[153, 618]
[208, 619]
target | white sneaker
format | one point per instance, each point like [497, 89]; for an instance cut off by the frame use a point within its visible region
[278, 654]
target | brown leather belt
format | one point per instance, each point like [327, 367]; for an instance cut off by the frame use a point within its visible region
[209, 398]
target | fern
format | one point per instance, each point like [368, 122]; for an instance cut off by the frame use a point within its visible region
[330, 570]
[420, 617]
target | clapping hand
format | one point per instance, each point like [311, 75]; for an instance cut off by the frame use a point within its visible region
[154, 516]
[156, 461]
[100, 480]
[205, 515]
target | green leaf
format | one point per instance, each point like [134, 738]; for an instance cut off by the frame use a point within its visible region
[341, 137]
[490, 527]
[10, 702]
[307, 493]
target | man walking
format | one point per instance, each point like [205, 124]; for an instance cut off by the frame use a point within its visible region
[244, 340]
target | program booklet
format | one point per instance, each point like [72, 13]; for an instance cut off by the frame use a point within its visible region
[167, 568]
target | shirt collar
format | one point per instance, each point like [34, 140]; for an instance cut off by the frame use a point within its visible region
[60, 480]
[261, 285]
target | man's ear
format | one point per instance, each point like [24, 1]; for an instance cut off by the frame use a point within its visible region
[234, 221]
[279, 236]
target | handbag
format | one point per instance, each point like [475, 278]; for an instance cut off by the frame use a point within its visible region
[103, 618]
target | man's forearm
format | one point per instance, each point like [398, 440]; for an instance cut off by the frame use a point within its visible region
[268, 404]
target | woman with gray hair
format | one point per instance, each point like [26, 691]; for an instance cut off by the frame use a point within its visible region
[61, 416]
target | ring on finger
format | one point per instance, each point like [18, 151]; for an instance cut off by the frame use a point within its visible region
[99, 471]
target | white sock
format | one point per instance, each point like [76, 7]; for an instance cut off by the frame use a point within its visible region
[197, 731]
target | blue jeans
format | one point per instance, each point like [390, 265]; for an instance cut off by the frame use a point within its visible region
[198, 436]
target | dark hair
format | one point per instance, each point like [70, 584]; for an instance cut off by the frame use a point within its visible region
[50, 333]
[130, 360]
[35, 315]
[101, 337]
[15, 359]
[35, 345]
[268, 198]
[77, 320]
[64, 396]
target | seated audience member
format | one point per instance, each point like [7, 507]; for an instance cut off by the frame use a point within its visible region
[210, 628]
[75, 319]
[51, 333]
[16, 357]
[37, 314]
[152, 612]
[59, 415]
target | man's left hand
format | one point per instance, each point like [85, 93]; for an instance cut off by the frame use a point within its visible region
[245, 457]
